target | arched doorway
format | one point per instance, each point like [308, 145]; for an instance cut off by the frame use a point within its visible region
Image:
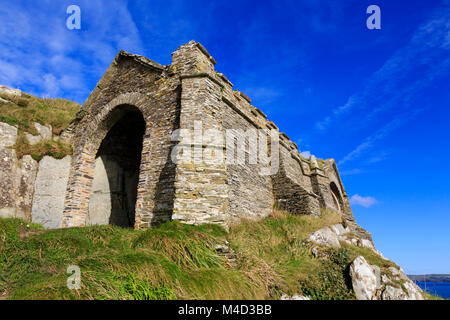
[337, 199]
[117, 163]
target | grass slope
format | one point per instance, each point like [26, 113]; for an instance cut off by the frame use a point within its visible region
[24, 110]
[176, 261]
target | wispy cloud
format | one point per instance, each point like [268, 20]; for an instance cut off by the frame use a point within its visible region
[366, 202]
[351, 172]
[390, 86]
[40, 55]
[381, 133]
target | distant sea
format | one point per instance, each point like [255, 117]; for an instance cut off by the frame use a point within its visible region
[441, 289]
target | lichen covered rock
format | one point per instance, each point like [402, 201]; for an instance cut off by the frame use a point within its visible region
[364, 279]
[8, 135]
[51, 183]
[325, 236]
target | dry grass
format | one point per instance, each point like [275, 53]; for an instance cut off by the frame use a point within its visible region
[173, 261]
[24, 110]
[55, 149]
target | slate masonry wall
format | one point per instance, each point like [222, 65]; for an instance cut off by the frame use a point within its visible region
[179, 103]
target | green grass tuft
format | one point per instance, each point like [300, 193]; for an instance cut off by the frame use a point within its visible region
[173, 261]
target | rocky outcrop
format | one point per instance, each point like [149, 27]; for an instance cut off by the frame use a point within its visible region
[26, 176]
[16, 177]
[8, 167]
[325, 236]
[369, 284]
[408, 290]
[30, 190]
[4, 100]
[50, 186]
[393, 293]
[331, 236]
[8, 135]
[365, 279]
[9, 91]
[45, 133]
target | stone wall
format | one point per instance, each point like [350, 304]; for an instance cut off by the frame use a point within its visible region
[175, 102]
[50, 187]
[30, 190]
[250, 193]
[191, 96]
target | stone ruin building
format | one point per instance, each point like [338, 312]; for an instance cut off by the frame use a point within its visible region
[121, 171]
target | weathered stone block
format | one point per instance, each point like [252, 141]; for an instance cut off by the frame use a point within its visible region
[8, 135]
[8, 168]
[50, 189]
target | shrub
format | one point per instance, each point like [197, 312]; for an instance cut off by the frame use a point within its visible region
[22, 102]
[332, 282]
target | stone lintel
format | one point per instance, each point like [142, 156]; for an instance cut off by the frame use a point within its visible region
[202, 75]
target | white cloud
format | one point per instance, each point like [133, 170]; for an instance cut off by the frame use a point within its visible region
[41, 56]
[351, 172]
[391, 86]
[366, 202]
[381, 133]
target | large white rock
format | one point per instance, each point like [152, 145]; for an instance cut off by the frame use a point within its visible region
[414, 292]
[50, 189]
[8, 135]
[364, 279]
[339, 229]
[44, 131]
[398, 274]
[393, 293]
[33, 139]
[26, 177]
[12, 92]
[8, 168]
[325, 236]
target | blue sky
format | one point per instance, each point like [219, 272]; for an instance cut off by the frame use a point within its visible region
[377, 101]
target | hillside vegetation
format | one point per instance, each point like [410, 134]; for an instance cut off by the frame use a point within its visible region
[268, 258]
[22, 111]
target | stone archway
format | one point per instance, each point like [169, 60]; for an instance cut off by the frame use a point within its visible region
[337, 198]
[117, 163]
[94, 132]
